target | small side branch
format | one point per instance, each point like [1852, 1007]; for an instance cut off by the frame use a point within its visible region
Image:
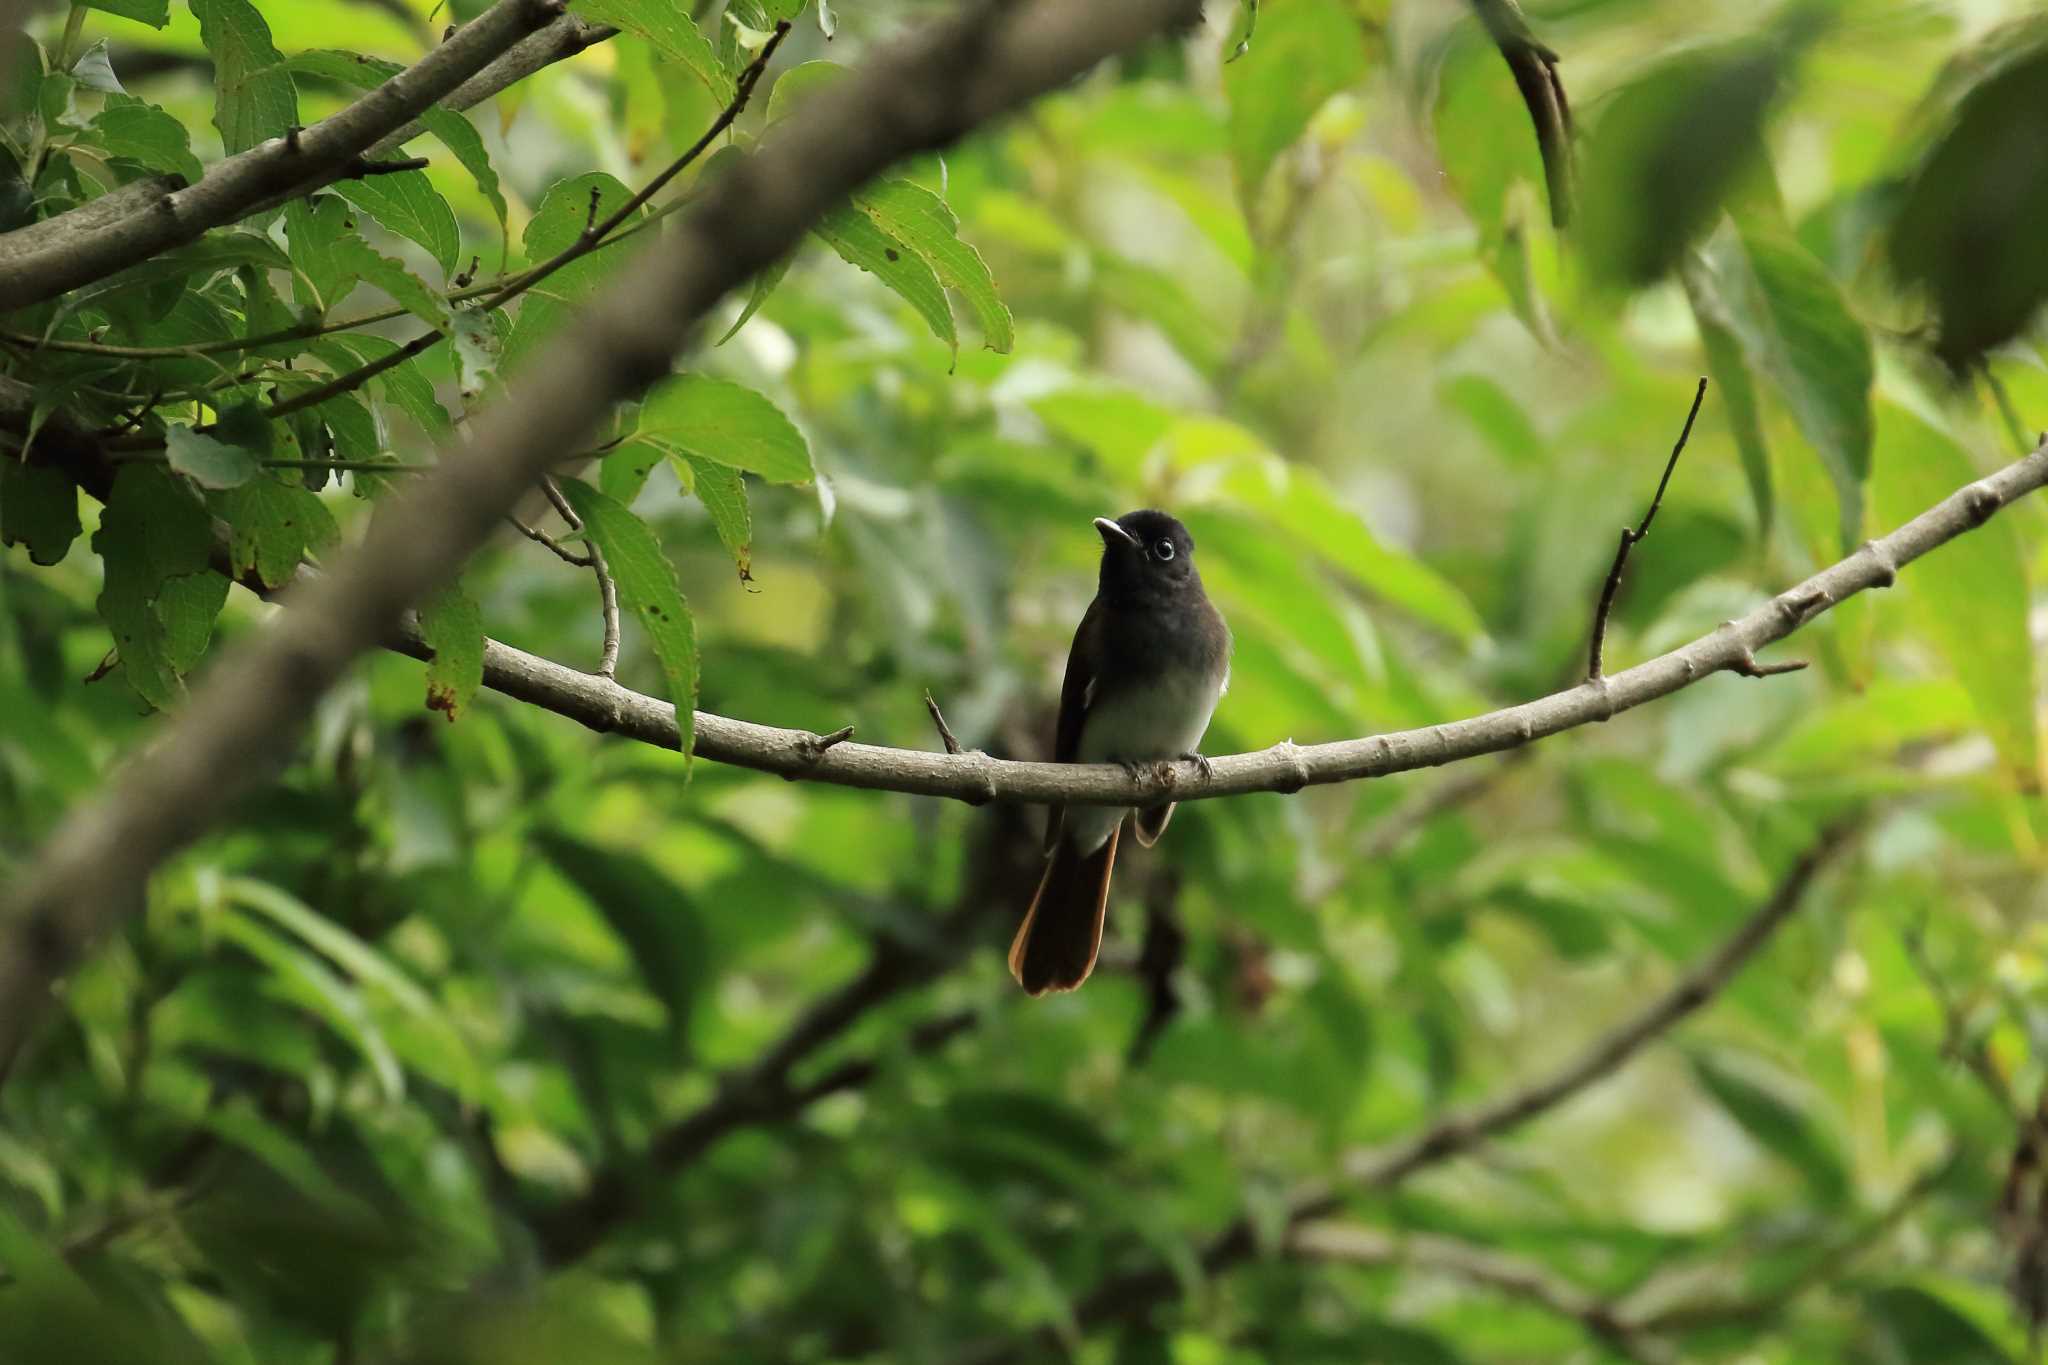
[607, 589]
[1631, 536]
[939, 719]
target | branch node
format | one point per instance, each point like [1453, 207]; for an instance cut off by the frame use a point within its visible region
[291, 137]
[980, 762]
[1288, 752]
[939, 719]
[1598, 682]
[1982, 501]
[814, 747]
[1885, 572]
[1745, 664]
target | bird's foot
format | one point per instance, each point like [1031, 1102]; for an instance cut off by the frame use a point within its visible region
[1202, 765]
[1134, 770]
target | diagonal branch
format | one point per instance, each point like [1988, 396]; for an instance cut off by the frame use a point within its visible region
[45, 260]
[243, 718]
[1632, 536]
[1133, 1294]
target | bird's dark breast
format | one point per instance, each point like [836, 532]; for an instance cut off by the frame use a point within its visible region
[1147, 641]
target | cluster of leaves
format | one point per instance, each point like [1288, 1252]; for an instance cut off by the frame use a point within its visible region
[447, 990]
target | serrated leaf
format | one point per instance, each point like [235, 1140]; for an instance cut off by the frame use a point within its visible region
[95, 72]
[563, 213]
[317, 231]
[651, 915]
[274, 525]
[408, 290]
[724, 494]
[624, 470]
[406, 203]
[669, 27]
[476, 349]
[254, 95]
[453, 626]
[151, 531]
[859, 242]
[1308, 50]
[38, 508]
[207, 460]
[763, 285]
[1973, 596]
[798, 84]
[724, 423]
[648, 592]
[402, 385]
[921, 220]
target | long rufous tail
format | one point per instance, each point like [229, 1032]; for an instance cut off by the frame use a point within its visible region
[1056, 944]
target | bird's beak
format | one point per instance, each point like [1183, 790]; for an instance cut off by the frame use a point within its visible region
[1112, 533]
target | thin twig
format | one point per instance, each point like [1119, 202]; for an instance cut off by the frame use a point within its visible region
[939, 719]
[607, 590]
[540, 537]
[2014, 427]
[1630, 536]
[588, 240]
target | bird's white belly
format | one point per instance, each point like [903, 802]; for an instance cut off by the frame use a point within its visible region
[1139, 725]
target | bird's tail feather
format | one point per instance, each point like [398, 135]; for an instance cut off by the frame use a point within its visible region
[1056, 944]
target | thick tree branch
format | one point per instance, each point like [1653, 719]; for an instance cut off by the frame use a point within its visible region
[48, 258]
[242, 719]
[1285, 767]
[1381, 1169]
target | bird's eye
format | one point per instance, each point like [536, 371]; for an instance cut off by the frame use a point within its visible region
[1162, 550]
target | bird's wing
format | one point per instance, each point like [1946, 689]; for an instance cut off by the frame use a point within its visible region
[1076, 694]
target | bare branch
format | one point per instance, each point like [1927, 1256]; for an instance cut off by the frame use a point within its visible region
[977, 778]
[607, 590]
[46, 259]
[1632, 536]
[242, 719]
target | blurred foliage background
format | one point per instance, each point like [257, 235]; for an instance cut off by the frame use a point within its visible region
[478, 1038]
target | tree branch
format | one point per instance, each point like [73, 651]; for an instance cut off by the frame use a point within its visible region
[46, 259]
[1381, 1169]
[243, 717]
[1631, 536]
[1285, 767]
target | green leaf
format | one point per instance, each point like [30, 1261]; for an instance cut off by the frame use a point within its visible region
[648, 592]
[449, 127]
[563, 213]
[724, 423]
[798, 84]
[1972, 597]
[152, 531]
[403, 385]
[1796, 330]
[1483, 136]
[724, 494]
[155, 13]
[859, 242]
[274, 525]
[304, 978]
[453, 626]
[651, 915]
[255, 98]
[625, 467]
[365, 262]
[142, 132]
[320, 233]
[669, 27]
[1777, 1125]
[1733, 384]
[921, 220]
[38, 508]
[208, 461]
[1668, 152]
[1308, 50]
[1969, 228]
[1923, 1326]
[406, 203]
[763, 285]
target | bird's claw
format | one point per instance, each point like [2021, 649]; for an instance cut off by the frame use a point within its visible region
[1133, 770]
[1202, 765]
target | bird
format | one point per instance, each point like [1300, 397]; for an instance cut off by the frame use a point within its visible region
[1149, 662]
